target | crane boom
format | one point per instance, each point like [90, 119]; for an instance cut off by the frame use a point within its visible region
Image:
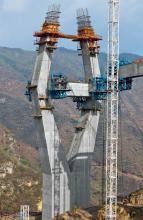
[112, 110]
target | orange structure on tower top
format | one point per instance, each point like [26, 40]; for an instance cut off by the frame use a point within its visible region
[51, 29]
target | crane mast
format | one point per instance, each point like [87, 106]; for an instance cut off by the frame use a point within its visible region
[112, 110]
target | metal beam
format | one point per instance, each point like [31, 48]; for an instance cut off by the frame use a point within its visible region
[133, 70]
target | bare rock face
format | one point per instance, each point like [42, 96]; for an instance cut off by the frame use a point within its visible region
[94, 213]
[124, 213]
[75, 214]
[136, 198]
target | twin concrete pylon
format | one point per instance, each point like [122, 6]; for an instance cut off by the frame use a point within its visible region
[66, 179]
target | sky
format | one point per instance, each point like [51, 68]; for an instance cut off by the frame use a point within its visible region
[20, 18]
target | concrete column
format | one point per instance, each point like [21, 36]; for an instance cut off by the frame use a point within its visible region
[83, 143]
[49, 141]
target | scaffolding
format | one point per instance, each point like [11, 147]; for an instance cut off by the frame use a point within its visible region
[56, 175]
[24, 212]
[83, 18]
[112, 110]
[53, 14]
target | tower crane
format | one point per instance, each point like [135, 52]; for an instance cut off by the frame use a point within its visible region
[112, 110]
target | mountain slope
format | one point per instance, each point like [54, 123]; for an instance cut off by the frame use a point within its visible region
[20, 175]
[16, 67]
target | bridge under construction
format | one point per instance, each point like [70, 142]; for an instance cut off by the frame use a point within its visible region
[66, 178]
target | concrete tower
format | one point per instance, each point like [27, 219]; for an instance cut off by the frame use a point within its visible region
[56, 193]
[66, 179]
[83, 143]
[62, 177]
